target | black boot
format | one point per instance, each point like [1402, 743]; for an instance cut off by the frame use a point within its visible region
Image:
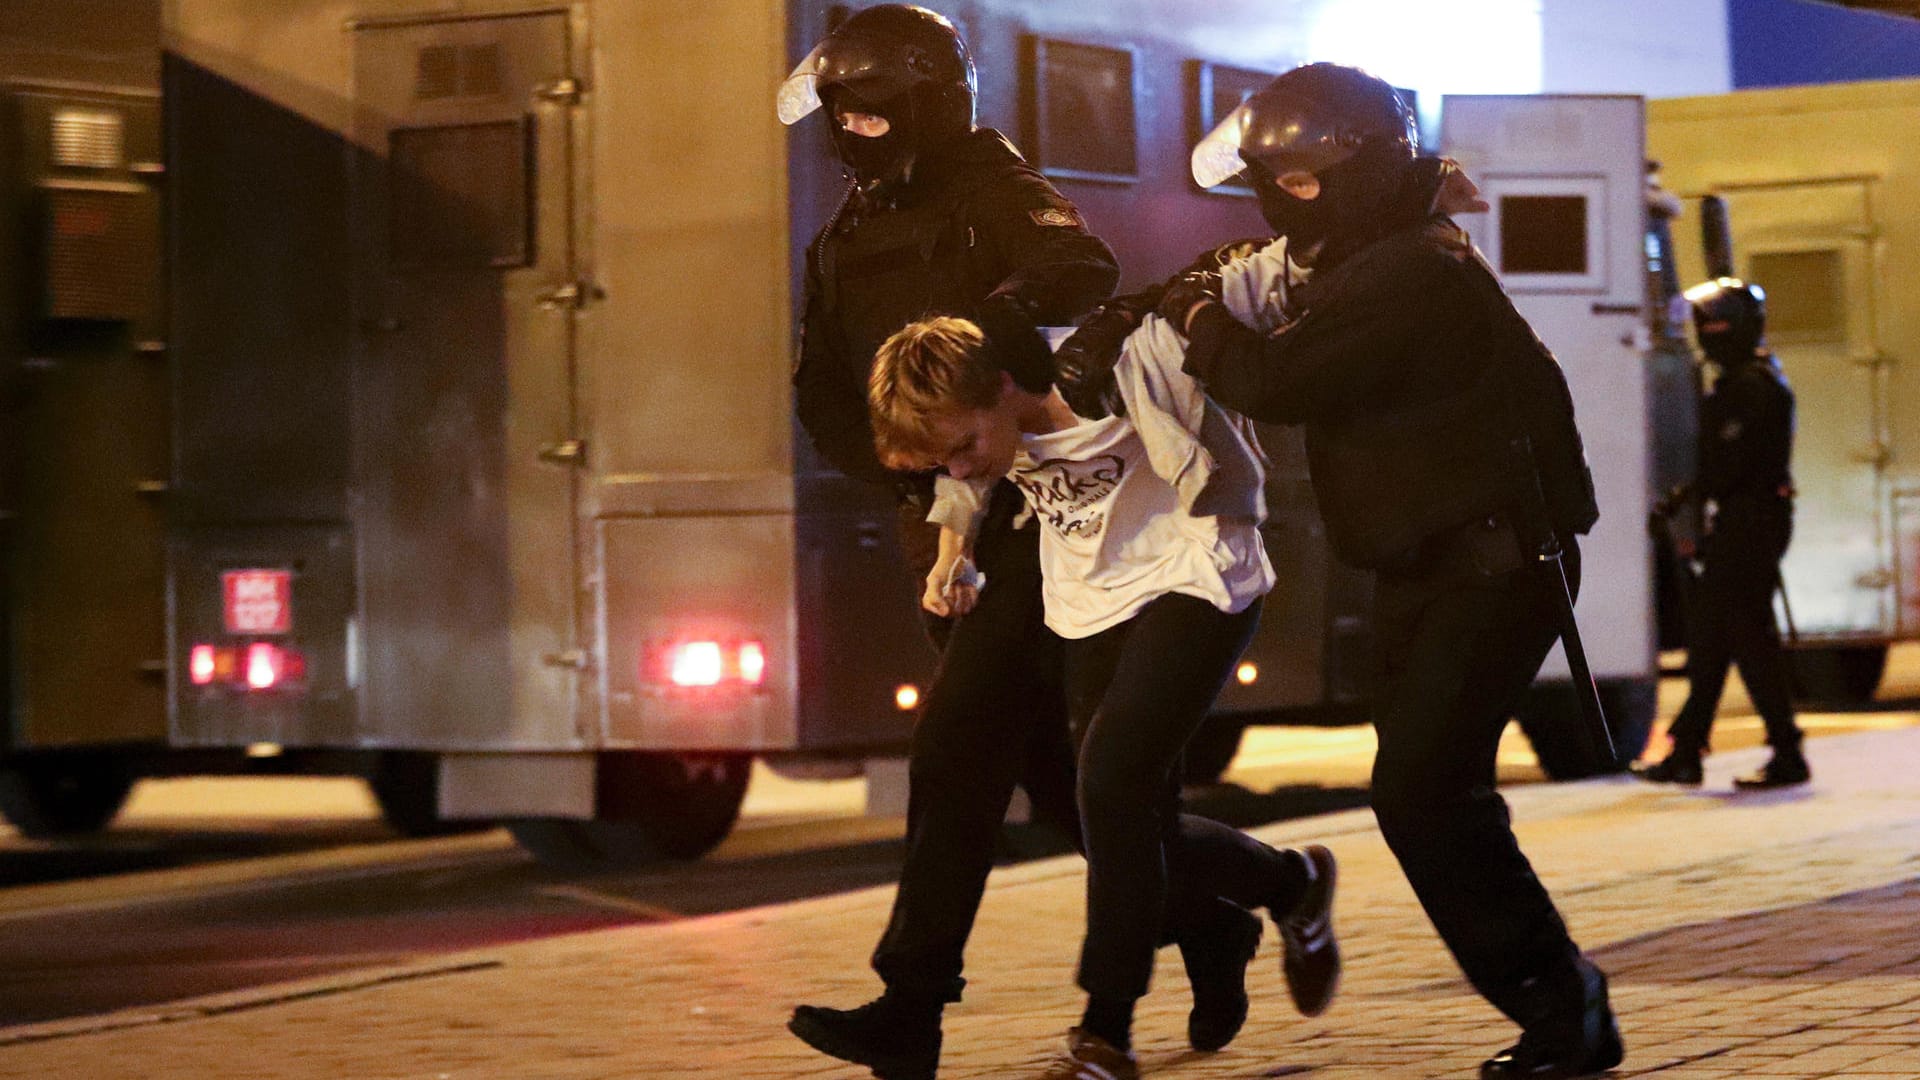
[1216, 958]
[1681, 766]
[1786, 768]
[899, 1039]
[1574, 1036]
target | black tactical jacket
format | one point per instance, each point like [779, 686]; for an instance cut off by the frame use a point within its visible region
[976, 222]
[1427, 400]
[1746, 435]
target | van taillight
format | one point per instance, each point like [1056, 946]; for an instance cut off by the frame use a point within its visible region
[696, 663]
[705, 665]
[200, 665]
[753, 663]
[260, 665]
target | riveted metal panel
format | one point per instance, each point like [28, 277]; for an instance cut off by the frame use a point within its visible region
[463, 383]
[725, 579]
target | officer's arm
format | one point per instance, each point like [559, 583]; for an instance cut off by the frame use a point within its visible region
[1057, 270]
[830, 407]
[1083, 365]
[1381, 318]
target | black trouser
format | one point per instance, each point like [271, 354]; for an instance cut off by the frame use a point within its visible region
[1137, 693]
[994, 717]
[1730, 621]
[1460, 648]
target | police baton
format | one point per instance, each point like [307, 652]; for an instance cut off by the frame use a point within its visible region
[1593, 726]
[1548, 549]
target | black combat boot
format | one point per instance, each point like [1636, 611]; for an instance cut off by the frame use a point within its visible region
[1574, 1036]
[1216, 958]
[1681, 766]
[1786, 768]
[898, 1038]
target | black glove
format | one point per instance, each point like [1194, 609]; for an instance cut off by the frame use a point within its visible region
[1185, 291]
[1083, 365]
[1015, 343]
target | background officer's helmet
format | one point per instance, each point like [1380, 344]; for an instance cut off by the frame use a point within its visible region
[1729, 318]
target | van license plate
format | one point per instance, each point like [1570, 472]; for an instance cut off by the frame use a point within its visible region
[258, 601]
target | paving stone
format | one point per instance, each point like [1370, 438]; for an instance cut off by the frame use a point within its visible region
[1744, 936]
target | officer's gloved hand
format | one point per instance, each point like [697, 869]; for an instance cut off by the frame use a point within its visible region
[1184, 292]
[1083, 364]
[1015, 343]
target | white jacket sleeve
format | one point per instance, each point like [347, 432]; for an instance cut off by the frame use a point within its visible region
[959, 505]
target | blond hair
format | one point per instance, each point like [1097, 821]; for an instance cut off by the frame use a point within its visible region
[931, 368]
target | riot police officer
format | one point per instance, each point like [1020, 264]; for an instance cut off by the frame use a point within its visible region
[1443, 454]
[941, 217]
[1745, 492]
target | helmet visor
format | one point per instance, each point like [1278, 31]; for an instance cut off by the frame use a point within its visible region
[1217, 157]
[872, 69]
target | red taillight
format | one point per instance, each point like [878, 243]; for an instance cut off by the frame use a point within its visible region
[258, 665]
[200, 665]
[753, 663]
[699, 665]
[263, 666]
[696, 663]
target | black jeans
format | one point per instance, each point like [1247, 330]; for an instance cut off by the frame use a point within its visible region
[994, 717]
[1730, 621]
[1137, 693]
[1460, 648]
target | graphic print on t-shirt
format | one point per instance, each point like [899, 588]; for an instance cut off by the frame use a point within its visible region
[1066, 493]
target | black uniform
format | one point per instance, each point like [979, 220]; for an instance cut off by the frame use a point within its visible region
[1441, 442]
[976, 223]
[1746, 443]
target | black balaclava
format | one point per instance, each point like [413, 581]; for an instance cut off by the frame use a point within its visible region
[1730, 319]
[1357, 199]
[873, 159]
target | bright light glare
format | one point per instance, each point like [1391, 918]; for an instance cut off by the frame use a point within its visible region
[753, 663]
[697, 663]
[1463, 47]
[200, 665]
[263, 666]
[263, 750]
[1248, 673]
[907, 697]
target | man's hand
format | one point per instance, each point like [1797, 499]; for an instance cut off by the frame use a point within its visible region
[1186, 293]
[953, 587]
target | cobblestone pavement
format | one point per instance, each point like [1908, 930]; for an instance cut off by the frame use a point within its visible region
[1773, 935]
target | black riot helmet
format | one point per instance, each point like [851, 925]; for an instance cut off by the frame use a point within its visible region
[897, 61]
[1730, 319]
[1352, 131]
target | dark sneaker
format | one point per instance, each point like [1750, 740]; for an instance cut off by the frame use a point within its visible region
[1311, 954]
[1586, 1043]
[1678, 767]
[1089, 1057]
[1217, 962]
[1782, 770]
[877, 1035]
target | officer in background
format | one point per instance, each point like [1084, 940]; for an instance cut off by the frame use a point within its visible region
[1444, 456]
[1745, 492]
[941, 217]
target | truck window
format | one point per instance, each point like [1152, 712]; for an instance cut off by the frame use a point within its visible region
[1543, 234]
[1803, 294]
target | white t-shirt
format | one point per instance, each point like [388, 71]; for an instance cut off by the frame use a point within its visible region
[1114, 535]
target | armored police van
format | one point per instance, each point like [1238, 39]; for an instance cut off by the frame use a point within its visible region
[1822, 190]
[450, 443]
